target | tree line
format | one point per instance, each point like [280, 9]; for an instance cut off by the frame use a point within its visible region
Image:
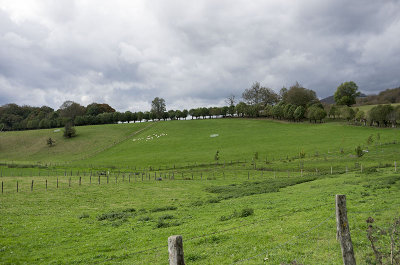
[295, 104]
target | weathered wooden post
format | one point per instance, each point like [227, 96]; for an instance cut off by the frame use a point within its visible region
[32, 185]
[69, 182]
[343, 231]
[2, 187]
[46, 184]
[331, 170]
[57, 182]
[17, 186]
[395, 166]
[80, 181]
[175, 250]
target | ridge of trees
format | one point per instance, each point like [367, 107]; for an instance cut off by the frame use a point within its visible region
[387, 96]
[294, 104]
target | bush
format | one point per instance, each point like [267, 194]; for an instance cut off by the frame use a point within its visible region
[69, 130]
[50, 142]
[246, 212]
[359, 151]
[162, 209]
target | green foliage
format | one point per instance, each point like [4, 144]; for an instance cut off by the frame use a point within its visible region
[302, 154]
[246, 212]
[50, 142]
[258, 187]
[255, 157]
[216, 156]
[163, 209]
[158, 107]
[258, 94]
[346, 94]
[69, 130]
[299, 113]
[299, 96]
[115, 215]
[370, 139]
[359, 151]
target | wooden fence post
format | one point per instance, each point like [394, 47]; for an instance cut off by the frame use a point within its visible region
[175, 250]
[46, 184]
[57, 182]
[2, 187]
[32, 185]
[343, 231]
[395, 166]
[17, 186]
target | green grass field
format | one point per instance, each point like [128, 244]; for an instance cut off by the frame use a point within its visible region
[366, 108]
[240, 209]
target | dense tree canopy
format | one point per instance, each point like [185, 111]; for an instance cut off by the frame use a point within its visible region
[258, 94]
[299, 96]
[158, 107]
[346, 93]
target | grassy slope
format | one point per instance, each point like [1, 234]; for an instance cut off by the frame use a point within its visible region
[190, 142]
[366, 108]
[32, 223]
[30, 146]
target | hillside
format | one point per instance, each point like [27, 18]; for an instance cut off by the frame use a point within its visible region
[30, 146]
[387, 96]
[267, 197]
[186, 142]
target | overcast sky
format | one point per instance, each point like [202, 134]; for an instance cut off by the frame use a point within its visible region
[191, 53]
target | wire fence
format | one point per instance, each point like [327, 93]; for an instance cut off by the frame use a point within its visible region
[290, 242]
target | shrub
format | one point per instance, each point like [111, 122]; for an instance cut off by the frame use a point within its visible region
[69, 130]
[165, 217]
[359, 151]
[50, 142]
[246, 212]
[162, 209]
[144, 218]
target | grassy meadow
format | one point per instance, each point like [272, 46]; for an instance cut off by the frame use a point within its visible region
[261, 202]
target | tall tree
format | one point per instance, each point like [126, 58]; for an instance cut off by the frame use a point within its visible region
[258, 94]
[299, 96]
[158, 107]
[346, 94]
[70, 110]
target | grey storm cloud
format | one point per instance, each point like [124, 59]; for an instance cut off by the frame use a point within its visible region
[191, 53]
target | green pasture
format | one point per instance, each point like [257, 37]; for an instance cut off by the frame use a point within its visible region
[31, 146]
[259, 203]
[366, 108]
[129, 222]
